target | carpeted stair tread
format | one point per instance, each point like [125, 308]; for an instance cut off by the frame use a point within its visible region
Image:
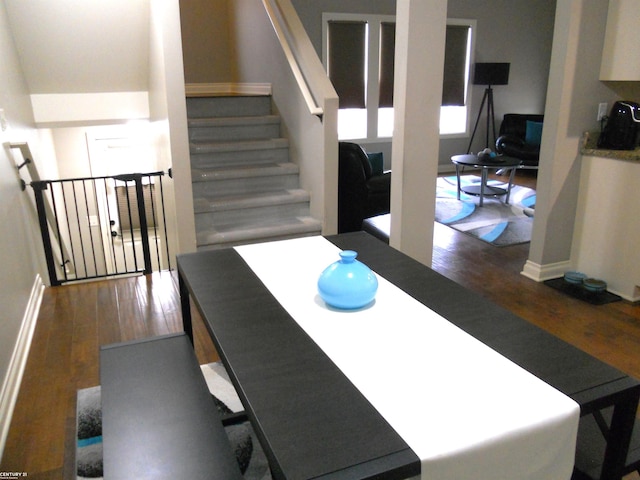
[245, 188]
[268, 229]
[233, 121]
[232, 129]
[243, 171]
[237, 146]
[261, 199]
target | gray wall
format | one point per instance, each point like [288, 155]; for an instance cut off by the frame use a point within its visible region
[516, 31]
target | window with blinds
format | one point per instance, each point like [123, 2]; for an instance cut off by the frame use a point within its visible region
[359, 56]
[128, 215]
[346, 67]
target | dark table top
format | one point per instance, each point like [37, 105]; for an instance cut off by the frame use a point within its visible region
[314, 422]
[472, 160]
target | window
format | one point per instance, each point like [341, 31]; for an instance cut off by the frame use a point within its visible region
[358, 54]
[127, 202]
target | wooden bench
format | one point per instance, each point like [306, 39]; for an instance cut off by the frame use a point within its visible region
[159, 420]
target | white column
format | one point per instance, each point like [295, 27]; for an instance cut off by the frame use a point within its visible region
[419, 57]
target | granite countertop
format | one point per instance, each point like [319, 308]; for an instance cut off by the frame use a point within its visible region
[590, 147]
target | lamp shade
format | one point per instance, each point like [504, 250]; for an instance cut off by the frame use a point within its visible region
[491, 74]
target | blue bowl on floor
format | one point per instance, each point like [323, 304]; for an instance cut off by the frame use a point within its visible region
[594, 285]
[575, 278]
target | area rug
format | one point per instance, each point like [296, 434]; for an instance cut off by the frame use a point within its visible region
[251, 459]
[495, 222]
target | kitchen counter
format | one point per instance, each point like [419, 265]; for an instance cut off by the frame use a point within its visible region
[590, 147]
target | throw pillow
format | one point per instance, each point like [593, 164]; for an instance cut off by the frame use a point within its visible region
[377, 163]
[533, 135]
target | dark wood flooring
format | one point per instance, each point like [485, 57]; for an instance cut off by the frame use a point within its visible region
[75, 320]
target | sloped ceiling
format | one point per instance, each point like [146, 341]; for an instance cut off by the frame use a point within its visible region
[82, 46]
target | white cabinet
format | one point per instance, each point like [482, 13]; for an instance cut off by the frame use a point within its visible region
[606, 235]
[621, 52]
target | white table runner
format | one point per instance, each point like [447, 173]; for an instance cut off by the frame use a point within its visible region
[465, 410]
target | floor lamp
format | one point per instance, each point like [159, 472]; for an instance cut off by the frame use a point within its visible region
[488, 74]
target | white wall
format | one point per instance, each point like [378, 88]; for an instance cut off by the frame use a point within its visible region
[105, 44]
[20, 254]
[168, 110]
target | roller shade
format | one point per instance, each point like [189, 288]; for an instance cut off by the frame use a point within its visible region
[346, 64]
[454, 65]
[127, 201]
[387, 59]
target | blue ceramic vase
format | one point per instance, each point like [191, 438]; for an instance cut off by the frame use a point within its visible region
[347, 283]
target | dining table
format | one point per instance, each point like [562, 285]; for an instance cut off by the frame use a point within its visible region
[430, 380]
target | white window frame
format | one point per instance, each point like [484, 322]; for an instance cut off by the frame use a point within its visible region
[372, 71]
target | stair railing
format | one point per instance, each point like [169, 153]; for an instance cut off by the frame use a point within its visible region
[308, 71]
[48, 217]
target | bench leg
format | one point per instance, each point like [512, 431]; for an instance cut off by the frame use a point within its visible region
[186, 308]
[618, 439]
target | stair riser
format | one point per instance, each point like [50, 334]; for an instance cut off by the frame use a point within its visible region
[243, 186]
[205, 107]
[234, 133]
[209, 240]
[250, 216]
[235, 243]
[239, 158]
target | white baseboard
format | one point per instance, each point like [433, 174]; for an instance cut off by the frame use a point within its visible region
[540, 273]
[209, 89]
[18, 362]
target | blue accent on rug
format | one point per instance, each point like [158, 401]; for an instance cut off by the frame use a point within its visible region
[85, 442]
[495, 222]
[494, 234]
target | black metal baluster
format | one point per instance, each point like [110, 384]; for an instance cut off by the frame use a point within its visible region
[144, 228]
[38, 189]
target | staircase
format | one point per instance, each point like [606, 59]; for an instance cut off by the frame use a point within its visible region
[245, 189]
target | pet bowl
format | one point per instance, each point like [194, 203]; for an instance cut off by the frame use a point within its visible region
[576, 278]
[594, 285]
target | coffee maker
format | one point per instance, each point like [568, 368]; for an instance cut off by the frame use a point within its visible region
[622, 128]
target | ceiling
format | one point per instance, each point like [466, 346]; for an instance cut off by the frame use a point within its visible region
[82, 46]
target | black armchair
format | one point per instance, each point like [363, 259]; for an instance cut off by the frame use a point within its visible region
[361, 193]
[520, 138]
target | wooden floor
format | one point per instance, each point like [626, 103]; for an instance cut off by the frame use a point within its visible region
[75, 320]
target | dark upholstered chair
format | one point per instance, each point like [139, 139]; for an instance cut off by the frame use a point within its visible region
[520, 138]
[361, 193]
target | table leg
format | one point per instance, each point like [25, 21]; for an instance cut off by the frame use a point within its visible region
[186, 308]
[511, 175]
[483, 183]
[458, 177]
[622, 422]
